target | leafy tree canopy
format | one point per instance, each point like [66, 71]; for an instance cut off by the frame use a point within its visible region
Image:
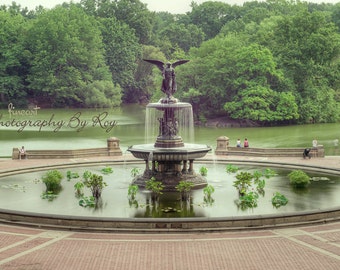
[66, 55]
[270, 62]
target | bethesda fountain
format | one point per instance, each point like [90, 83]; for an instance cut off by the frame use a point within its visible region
[170, 158]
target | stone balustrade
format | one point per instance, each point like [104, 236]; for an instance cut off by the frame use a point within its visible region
[223, 148]
[112, 149]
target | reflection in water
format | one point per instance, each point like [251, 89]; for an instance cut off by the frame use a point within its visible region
[168, 206]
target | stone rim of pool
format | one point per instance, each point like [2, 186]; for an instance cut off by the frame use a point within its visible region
[171, 224]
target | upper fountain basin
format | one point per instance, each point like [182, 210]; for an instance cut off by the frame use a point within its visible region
[188, 152]
[177, 105]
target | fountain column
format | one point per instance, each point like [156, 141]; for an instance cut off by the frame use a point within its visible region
[191, 165]
[185, 166]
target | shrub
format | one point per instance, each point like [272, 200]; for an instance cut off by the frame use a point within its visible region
[243, 182]
[231, 168]
[269, 173]
[248, 200]
[155, 187]
[135, 172]
[107, 170]
[279, 200]
[52, 180]
[87, 202]
[79, 186]
[87, 175]
[132, 191]
[184, 187]
[203, 171]
[257, 177]
[299, 179]
[208, 191]
[71, 175]
[96, 184]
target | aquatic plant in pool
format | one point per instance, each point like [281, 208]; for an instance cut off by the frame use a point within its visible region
[279, 200]
[52, 180]
[70, 175]
[250, 186]
[96, 183]
[299, 179]
[184, 188]
[79, 188]
[248, 200]
[208, 191]
[230, 168]
[156, 188]
[132, 191]
[203, 171]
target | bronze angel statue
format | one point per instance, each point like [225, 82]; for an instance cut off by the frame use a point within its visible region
[169, 86]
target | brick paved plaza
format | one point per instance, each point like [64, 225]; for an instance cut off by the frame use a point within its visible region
[311, 247]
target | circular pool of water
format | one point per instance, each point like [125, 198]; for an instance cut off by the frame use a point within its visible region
[21, 194]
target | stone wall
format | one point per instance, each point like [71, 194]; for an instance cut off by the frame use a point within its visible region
[112, 149]
[223, 148]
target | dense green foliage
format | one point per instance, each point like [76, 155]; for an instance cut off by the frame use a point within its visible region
[299, 179]
[270, 62]
[185, 187]
[279, 200]
[156, 188]
[96, 184]
[52, 180]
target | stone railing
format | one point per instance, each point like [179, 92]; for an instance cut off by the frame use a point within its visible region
[112, 149]
[223, 148]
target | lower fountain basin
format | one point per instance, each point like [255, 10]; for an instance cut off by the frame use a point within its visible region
[320, 203]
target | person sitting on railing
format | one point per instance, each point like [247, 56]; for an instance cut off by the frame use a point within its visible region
[238, 143]
[22, 152]
[306, 153]
[315, 143]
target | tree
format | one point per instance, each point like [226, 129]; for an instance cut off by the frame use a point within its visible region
[131, 12]
[306, 46]
[209, 72]
[12, 67]
[121, 51]
[336, 15]
[183, 36]
[147, 78]
[66, 55]
[211, 16]
[255, 82]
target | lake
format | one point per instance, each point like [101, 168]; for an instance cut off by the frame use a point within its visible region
[88, 128]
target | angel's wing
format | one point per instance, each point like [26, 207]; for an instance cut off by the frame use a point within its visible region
[179, 62]
[158, 63]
